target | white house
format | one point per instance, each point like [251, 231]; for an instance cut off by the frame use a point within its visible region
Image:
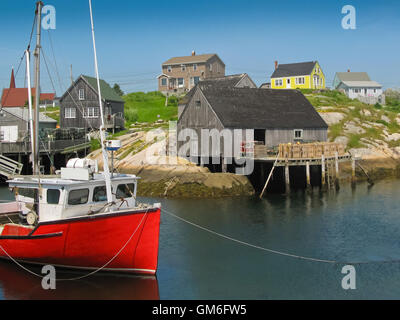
[358, 85]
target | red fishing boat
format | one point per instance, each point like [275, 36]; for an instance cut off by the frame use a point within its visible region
[81, 218]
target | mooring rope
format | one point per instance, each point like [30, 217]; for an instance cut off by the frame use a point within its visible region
[286, 254]
[86, 275]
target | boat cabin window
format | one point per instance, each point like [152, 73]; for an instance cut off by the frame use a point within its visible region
[99, 194]
[53, 196]
[125, 191]
[79, 196]
[26, 192]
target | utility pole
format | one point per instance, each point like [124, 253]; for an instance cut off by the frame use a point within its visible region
[36, 157]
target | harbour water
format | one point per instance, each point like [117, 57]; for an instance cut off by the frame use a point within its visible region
[361, 225]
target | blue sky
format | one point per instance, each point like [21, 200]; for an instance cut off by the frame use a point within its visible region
[135, 37]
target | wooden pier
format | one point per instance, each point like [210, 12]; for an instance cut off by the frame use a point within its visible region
[326, 155]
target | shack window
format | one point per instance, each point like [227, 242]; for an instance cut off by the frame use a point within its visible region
[53, 196]
[79, 196]
[125, 191]
[298, 134]
[99, 194]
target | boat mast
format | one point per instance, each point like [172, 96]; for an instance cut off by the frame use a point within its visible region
[35, 141]
[102, 126]
[31, 123]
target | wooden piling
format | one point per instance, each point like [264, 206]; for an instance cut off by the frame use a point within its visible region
[337, 185]
[308, 176]
[353, 172]
[287, 178]
[323, 177]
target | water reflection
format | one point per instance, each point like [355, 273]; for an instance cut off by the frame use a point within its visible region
[16, 283]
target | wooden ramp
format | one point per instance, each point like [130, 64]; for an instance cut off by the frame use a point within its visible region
[9, 167]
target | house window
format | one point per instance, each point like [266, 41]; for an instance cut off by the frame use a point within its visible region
[194, 67]
[298, 134]
[183, 68]
[81, 94]
[181, 82]
[198, 103]
[70, 113]
[320, 82]
[210, 67]
[169, 68]
[164, 82]
[278, 82]
[91, 112]
[300, 80]
[196, 80]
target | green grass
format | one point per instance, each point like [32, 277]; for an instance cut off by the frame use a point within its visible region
[149, 107]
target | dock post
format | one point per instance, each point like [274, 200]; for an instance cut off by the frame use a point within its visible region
[308, 176]
[323, 177]
[287, 178]
[337, 185]
[353, 172]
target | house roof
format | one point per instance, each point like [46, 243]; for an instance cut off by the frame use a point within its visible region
[294, 69]
[353, 76]
[23, 113]
[201, 58]
[362, 84]
[221, 82]
[107, 93]
[254, 108]
[17, 97]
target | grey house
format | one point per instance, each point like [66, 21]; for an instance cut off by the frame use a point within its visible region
[79, 105]
[276, 116]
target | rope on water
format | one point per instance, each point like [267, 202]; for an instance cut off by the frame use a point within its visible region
[290, 255]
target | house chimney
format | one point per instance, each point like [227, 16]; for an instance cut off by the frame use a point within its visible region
[193, 53]
[276, 65]
[12, 80]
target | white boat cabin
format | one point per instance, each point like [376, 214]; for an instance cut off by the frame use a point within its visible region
[62, 198]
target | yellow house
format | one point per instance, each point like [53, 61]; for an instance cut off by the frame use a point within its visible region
[303, 75]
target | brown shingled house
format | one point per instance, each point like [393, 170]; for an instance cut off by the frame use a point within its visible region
[180, 74]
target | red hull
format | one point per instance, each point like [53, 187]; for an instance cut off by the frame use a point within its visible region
[125, 241]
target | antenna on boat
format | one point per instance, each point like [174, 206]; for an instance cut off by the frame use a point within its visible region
[102, 126]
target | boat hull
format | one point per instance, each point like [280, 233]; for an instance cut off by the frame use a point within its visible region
[122, 241]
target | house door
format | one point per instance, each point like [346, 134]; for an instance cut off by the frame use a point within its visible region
[288, 84]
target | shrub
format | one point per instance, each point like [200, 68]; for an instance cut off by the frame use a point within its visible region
[378, 106]
[131, 115]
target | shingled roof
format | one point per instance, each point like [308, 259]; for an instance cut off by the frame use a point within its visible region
[201, 58]
[250, 108]
[221, 82]
[353, 76]
[294, 69]
[107, 93]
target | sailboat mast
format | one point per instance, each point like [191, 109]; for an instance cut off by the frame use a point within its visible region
[36, 147]
[31, 123]
[102, 126]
